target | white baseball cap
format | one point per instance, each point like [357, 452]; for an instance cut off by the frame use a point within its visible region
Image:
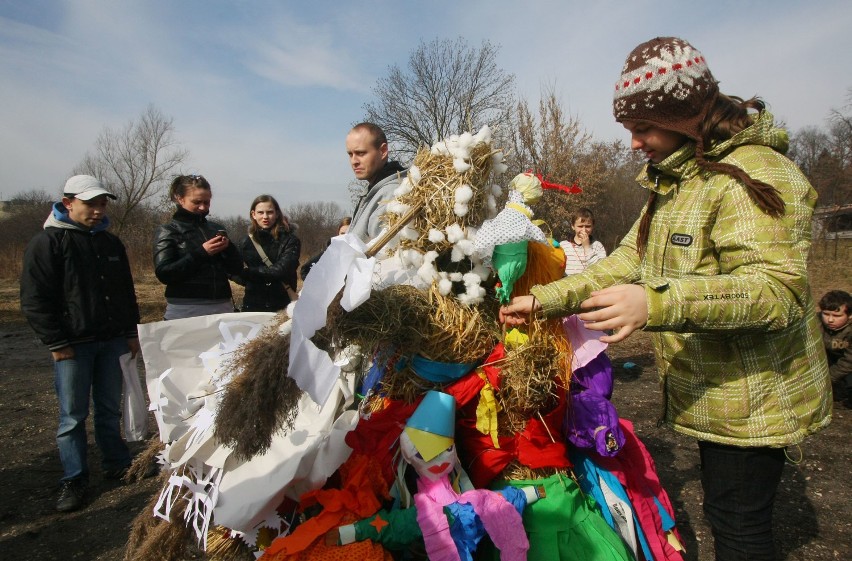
[85, 187]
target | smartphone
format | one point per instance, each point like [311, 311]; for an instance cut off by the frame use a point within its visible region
[222, 233]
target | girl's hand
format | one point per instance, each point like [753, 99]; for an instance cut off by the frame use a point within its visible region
[623, 308]
[518, 310]
[582, 239]
[216, 244]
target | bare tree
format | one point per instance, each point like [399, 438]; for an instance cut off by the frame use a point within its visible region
[807, 146]
[315, 223]
[551, 142]
[21, 218]
[135, 162]
[447, 88]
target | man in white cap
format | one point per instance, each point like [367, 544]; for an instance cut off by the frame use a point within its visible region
[77, 294]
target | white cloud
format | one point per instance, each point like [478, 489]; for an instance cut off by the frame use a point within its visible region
[262, 93]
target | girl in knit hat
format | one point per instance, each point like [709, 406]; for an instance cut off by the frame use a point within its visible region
[715, 268]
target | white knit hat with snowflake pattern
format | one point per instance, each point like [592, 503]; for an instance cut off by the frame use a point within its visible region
[665, 82]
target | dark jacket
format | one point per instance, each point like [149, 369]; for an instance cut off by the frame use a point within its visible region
[264, 285]
[838, 347]
[185, 267]
[308, 265]
[76, 284]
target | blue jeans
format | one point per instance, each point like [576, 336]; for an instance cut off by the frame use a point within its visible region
[95, 368]
[739, 493]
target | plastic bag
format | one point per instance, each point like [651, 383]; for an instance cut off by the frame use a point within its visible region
[135, 411]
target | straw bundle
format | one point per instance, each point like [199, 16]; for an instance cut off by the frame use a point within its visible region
[530, 376]
[401, 321]
[436, 192]
[222, 547]
[154, 539]
[144, 460]
[261, 399]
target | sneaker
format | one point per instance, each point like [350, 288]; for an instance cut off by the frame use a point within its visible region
[71, 495]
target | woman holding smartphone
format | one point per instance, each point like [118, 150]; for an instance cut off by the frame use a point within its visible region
[193, 256]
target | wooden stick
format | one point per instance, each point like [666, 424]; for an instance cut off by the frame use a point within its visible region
[383, 240]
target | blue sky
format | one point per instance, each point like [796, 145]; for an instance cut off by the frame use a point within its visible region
[263, 92]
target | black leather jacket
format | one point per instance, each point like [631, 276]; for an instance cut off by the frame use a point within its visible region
[185, 267]
[76, 287]
[264, 289]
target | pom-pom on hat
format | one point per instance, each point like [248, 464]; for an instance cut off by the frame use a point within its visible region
[666, 82]
[85, 188]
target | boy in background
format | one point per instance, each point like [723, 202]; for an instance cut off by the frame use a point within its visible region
[835, 307]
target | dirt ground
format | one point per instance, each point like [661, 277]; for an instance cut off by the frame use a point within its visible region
[812, 513]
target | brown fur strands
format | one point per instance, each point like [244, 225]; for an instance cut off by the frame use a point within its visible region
[261, 399]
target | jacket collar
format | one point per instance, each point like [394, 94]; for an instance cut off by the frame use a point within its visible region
[58, 218]
[390, 168]
[183, 215]
[681, 165]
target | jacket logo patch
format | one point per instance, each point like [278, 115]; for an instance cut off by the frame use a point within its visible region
[681, 239]
[728, 296]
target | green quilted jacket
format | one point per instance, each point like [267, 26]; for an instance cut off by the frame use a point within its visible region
[736, 338]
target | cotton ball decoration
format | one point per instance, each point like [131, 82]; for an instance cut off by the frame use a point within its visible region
[480, 270]
[440, 148]
[483, 136]
[445, 285]
[454, 233]
[414, 174]
[474, 293]
[427, 271]
[460, 165]
[436, 236]
[409, 233]
[464, 194]
[404, 187]
[430, 256]
[466, 246]
[460, 209]
[412, 257]
[397, 207]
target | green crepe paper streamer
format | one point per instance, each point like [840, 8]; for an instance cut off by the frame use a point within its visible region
[510, 262]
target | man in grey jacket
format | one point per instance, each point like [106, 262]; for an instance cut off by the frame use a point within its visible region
[367, 147]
